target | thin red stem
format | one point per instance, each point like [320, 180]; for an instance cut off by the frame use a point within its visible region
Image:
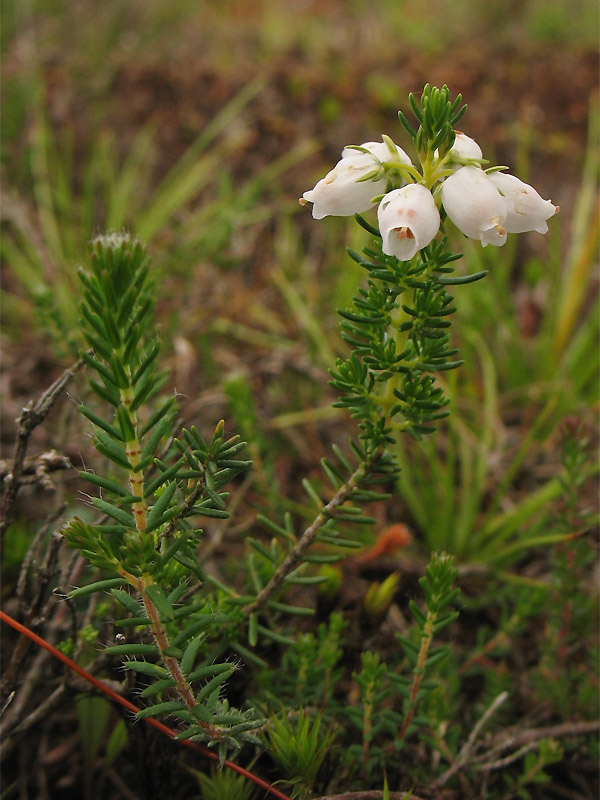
[133, 708]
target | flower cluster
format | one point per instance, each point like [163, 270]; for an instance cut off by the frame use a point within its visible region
[483, 204]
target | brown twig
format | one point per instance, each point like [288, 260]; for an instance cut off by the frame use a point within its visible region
[520, 743]
[31, 416]
[294, 557]
[467, 749]
[37, 469]
[530, 736]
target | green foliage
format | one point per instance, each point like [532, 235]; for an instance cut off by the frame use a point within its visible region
[308, 673]
[299, 747]
[223, 784]
[191, 635]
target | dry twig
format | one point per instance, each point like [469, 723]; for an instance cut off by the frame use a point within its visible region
[31, 416]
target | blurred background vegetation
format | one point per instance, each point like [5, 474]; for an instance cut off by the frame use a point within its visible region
[197, 125]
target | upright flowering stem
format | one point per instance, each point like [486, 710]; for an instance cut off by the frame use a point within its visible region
[398, 327]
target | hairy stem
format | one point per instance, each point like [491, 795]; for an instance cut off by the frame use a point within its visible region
[160, 635]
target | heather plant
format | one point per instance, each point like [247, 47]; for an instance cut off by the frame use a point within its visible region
[183, 632]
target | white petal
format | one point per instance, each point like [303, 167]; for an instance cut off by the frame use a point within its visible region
[465, 148]
[475, 206]
[525, 209]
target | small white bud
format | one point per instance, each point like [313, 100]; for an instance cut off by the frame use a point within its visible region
[465, 148]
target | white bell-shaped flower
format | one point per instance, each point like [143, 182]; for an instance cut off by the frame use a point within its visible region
[408, 220]
[525, 209]
[347, 190]
[475, 205]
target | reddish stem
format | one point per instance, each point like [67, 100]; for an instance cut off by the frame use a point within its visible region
[133, 708]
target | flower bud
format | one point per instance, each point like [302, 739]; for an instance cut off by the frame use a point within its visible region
[349, 187]
[380, 150]
[475, 206]
[464, 148]
[408, 220]
[525, 209]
